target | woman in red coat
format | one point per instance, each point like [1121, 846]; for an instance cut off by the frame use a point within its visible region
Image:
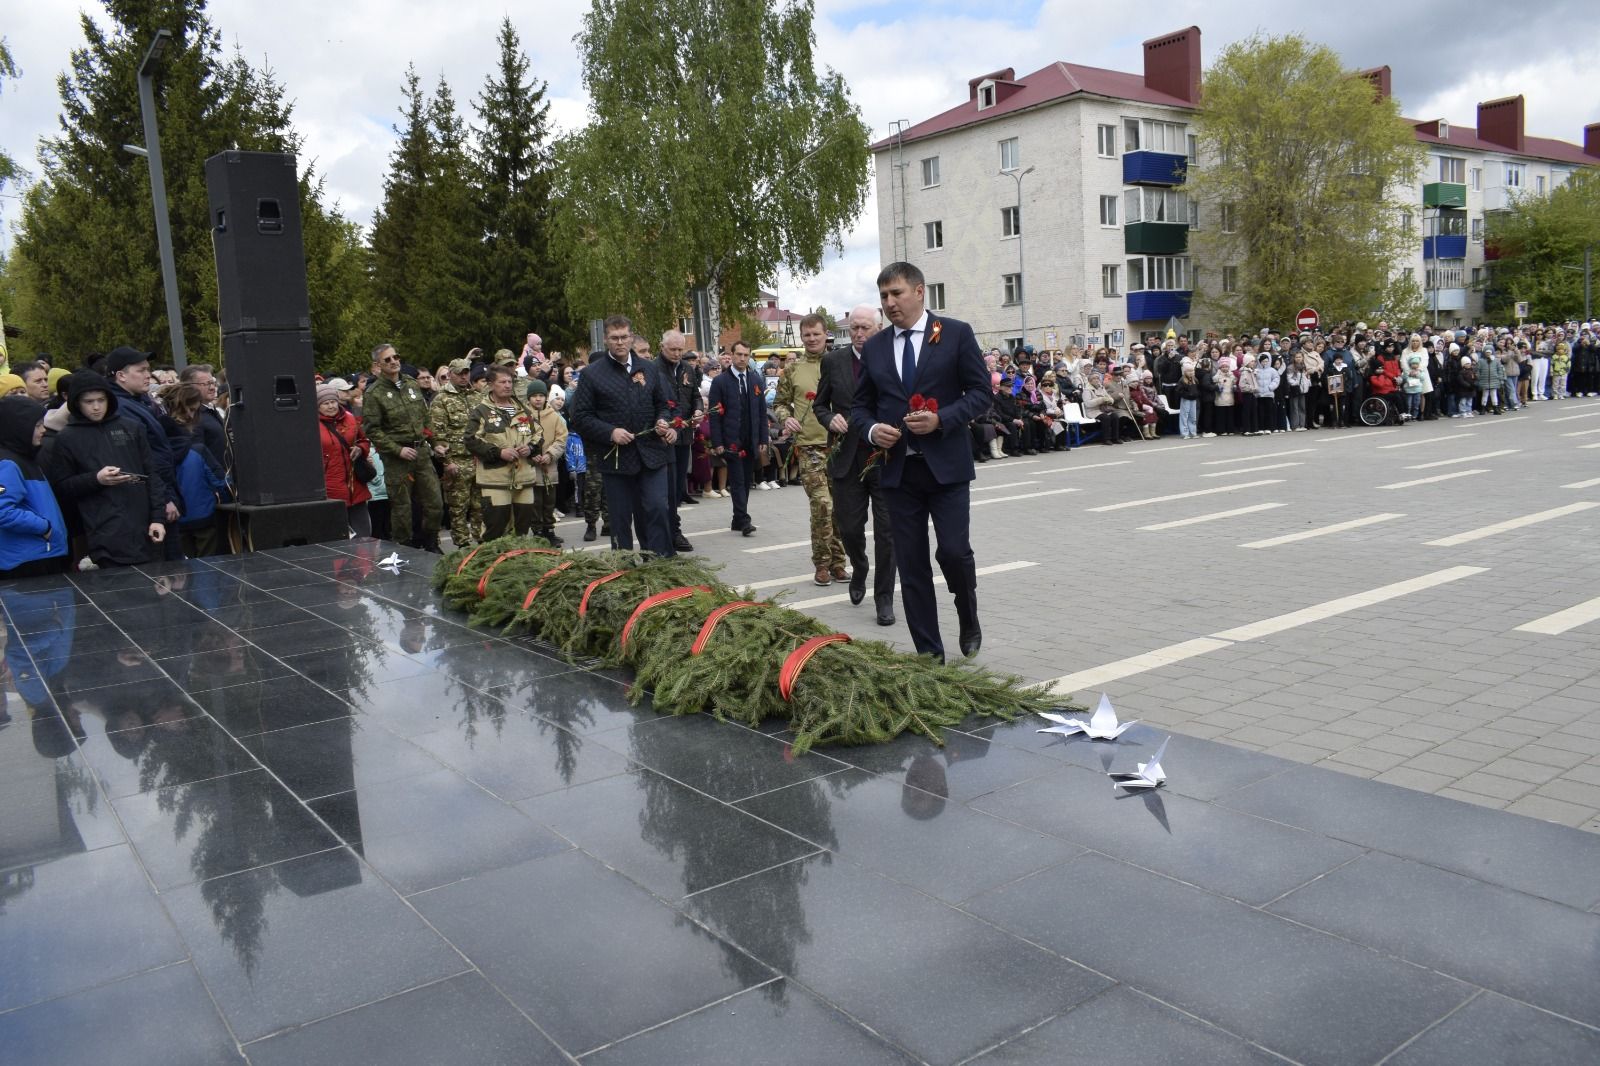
[344, 444]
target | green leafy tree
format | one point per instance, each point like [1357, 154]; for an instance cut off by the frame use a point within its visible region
[85, 262]
[519, 286]
[1312, 171]
[1540, 241]
[717, 154]
[10, 169]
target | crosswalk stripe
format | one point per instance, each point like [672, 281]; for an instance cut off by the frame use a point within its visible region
[1321, 531]
[1454, 460]
[1512, 523]
[1432, 480]
[938, 579]
[1185, 495]
[1214, 517]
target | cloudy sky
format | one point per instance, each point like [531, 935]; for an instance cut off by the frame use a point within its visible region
[342, 62]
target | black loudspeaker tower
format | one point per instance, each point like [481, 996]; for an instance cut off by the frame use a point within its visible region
[255, 233]
[275, 452]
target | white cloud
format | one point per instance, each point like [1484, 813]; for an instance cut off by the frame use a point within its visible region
[342, 65]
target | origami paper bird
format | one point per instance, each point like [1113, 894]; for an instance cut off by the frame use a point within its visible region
[1102, 725]
[1149, 774]
[393, 563]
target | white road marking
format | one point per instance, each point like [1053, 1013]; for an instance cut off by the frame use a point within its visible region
[1588, 446]
[1464, 459]
[1427, 440]
[1591, 483]
[1256, 458]
[1250, 469]
[1002, 485]
[1561, 621]
[1024, 496]
[1571, 418]
[1432, 480]
[1013, 461]
[938, 579]
[1097, 676]
[778, 582]
[1513, 523]
[1186, 495]
[1216, 516]
[1321, 531]
[778, 547]
[1345, 604]
[1351, 433]
[1086, 466]
[1582, 433]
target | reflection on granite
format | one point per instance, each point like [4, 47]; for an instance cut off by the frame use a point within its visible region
[229, 786]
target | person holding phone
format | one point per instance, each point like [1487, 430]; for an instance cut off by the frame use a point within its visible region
[102, 462]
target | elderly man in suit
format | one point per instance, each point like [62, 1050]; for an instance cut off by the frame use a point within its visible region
[620, 410]
[922, 383]
[855, 484]
[738, 405]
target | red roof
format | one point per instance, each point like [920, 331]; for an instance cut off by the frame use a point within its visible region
[1054, 82]
[775, 314]
[1534, 147]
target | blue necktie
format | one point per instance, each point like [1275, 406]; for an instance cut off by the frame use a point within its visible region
[908, 360]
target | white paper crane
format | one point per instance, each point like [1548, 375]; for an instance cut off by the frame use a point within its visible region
[1102, 725]
[1149, 774]
[393, 563]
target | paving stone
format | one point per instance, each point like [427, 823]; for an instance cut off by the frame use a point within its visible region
[1552, 810]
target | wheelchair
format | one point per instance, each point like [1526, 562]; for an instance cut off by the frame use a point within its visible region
[1379, 411]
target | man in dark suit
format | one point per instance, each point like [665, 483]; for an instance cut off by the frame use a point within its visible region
[683, 381]
[620, 410]
[855, 484]
[928, 468]
[739, 428]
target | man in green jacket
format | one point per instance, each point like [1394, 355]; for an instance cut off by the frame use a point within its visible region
[397, 423]
[448, 415]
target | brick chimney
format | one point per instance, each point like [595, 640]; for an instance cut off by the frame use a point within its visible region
[1380, 77]
[1500, 122]
[1172, 64]
[1591, 139]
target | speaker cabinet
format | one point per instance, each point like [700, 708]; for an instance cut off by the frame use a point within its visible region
[256, 236]
[275, 453]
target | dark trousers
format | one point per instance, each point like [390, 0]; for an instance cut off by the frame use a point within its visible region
[678, 478]
[641, 496]
[741, 471]
[851, 496]
[918, 499]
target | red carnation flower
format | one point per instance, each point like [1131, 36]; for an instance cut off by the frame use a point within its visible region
[918, 401]
[811, 396]
[931, 406]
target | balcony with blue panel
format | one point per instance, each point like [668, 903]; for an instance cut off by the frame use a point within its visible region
[1153, 304]
[1444, 247]
[1154, 168]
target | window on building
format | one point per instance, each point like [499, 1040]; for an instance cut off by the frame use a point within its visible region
[1477, 178]
[1008, 154]
[1452, 168]
[1477, 229]
[1410, 275]
[1106, 141]
[1155, 205]
[936, 296]
[1194, 148]
[1013, 289]
[1194, 214]
[1110, 281]
[1538, 184]
[1477, 276]
[1447, 274]
[985, 95]
[1516, 175]
[930, 172]
[934, 232]
[1229, 217]
[1013, 344]
[1407, 223]
[1164, 272]
[1230, 279]
[1448, 224]
[1108, 210]
[1130, 135]
[1010, 221]
[1153, 135]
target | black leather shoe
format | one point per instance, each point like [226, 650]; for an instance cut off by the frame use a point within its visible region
[691, 499]
[858, 589]
[749, 531]
[588, 532]
[971, 640]
[681, 543]
[885, 613]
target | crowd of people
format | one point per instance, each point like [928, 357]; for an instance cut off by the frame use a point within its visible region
[119, 462]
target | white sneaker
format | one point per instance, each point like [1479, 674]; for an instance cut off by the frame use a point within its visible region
[1208, 434]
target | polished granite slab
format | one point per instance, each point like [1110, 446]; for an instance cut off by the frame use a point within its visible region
[286, 808]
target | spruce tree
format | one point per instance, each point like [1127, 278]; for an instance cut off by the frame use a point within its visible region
[395, 224]
[519, 277]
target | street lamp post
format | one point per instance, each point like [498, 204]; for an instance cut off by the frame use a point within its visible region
[1022, 281]
[158, 191]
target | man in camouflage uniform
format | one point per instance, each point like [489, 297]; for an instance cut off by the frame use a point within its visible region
[797, 388]
[396, 416]
[448, 416]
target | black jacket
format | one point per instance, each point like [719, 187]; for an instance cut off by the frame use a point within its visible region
[836, 393]
[610, 396]
[115, 517]
[160, 467]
